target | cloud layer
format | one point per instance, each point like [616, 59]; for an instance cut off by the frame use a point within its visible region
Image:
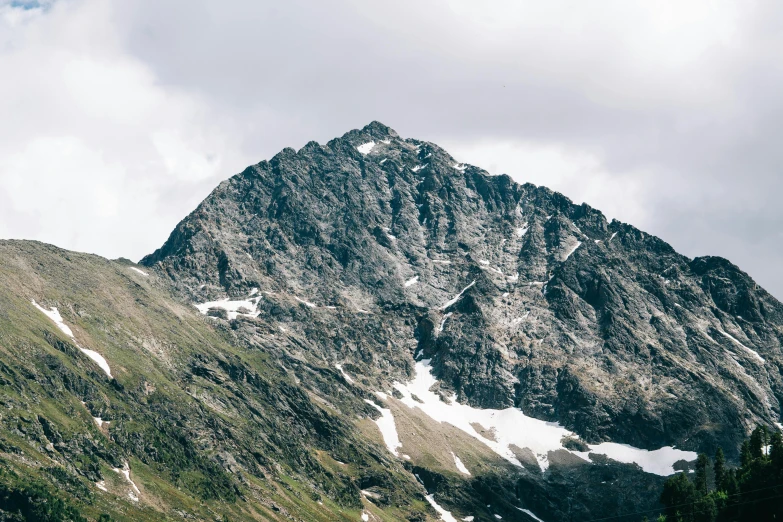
[121, 116]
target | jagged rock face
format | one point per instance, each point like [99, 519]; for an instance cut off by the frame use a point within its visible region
[364, 248]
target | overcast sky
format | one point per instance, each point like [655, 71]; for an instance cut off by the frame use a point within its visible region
[118, 117]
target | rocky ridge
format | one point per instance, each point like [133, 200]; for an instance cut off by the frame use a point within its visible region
[575, 319]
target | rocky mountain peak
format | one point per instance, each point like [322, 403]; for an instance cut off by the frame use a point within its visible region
[519, 296]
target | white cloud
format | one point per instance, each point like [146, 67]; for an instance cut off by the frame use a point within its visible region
[666, 115]
[93, 142]
[579, 174]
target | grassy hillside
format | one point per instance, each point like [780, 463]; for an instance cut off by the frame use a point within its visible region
[208, 424]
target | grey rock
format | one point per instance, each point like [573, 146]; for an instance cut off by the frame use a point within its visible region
[594, 324]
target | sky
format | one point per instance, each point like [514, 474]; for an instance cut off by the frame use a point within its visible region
[119, 117]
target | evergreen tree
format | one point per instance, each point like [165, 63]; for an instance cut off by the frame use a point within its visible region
[700, 481]
[732, 489]
[754, 491]
[758, 442]
[706, 509]
[776, 454]
[719, 469]
[745, 455]
[678, 498]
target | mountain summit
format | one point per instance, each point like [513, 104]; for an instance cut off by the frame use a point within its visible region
[369, 329]
[594, 324]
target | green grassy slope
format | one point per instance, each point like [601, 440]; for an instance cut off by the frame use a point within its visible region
[211, 426]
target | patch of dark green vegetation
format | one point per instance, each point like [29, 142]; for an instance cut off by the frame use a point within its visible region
[718, 493]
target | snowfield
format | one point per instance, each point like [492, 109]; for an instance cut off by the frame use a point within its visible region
[511, 427]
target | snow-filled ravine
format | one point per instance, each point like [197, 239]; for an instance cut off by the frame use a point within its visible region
[386, 424]
[511, 427]
[446, 516]
[125, 472]
[57, 319]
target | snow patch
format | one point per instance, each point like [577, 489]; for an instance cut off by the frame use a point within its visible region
[458, 296]
[125, 471]
[306, 303]
[530, 514]
[484, 262]
[412, 281]
[612, 236]
[345, 375]
[387, 230]
[232, 307]
[521, 231]
[460, 167]
[55, 316]
[657, 462]
[386, 425]
[417, 168]
[99, 360]
[460, 466]
[751, 352]
[365, 148]
[442, 261]
[365, 516]
[370, 494]
[572, 250]
[142, 272]
[444, 515]
[101, 485]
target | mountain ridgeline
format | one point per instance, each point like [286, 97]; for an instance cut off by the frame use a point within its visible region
[370, 330]
[593, 324]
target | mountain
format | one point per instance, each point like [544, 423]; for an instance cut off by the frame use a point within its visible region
[369, 330]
